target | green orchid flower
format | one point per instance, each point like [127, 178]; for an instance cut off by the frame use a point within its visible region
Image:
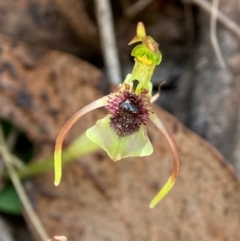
[122, 132]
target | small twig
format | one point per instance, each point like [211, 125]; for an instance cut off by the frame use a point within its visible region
[213, 34]
[12, 138]
[69, 154]
[16, 162]
[136, 8]
[157, 95]
[105, 23]
[20, 190]
[222, 18]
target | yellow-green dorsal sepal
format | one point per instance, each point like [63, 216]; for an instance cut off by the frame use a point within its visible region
[147, 52]
[141, 34]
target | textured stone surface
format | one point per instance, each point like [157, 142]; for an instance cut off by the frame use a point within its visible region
[54, 24]
[102, 200]
[35, 86]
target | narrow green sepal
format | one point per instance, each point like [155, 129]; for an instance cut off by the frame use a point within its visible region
[136, 144]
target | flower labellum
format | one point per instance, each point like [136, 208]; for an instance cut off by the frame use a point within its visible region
[122, 132]
[126, 135]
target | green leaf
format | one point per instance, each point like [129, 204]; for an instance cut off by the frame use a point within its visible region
[9, 201]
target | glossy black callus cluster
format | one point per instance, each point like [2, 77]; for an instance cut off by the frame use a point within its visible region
[128, 112]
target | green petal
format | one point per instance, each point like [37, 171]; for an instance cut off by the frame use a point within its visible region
[136, 144]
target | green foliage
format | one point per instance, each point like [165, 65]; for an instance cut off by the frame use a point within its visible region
[9, 201]
[22, 148]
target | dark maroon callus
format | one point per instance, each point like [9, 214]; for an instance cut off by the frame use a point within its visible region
[128, 112]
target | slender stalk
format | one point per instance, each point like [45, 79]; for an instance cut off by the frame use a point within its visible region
[176, 162]
[108, 42]
[31, 214]
[81, 146]
[213, 34]
[222, 18]
[65, 129]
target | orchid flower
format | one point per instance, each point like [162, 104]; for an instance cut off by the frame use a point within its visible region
[122, 132]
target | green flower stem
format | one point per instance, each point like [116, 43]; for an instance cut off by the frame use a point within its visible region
[143, 73]
[81, 146]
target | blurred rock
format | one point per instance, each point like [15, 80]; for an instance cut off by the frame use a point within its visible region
[51, 24]
[103, 200]
[35, 84]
